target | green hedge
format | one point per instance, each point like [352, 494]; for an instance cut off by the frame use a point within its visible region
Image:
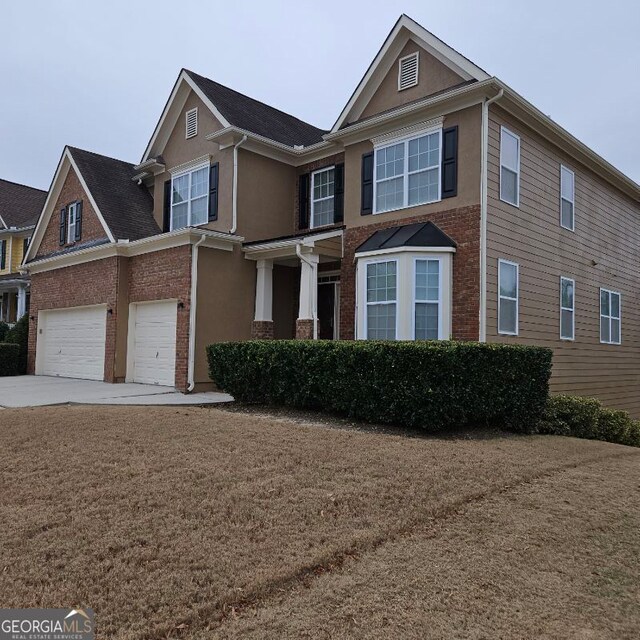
[433, 385]
[4, 329]
[9, 359]
[19, 334]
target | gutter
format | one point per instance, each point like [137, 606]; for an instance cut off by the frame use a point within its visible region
[192, 316]
[314, 294]
[234, 223]
[484, 151]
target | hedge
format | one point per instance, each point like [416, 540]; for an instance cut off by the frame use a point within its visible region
[4, 329]
[432, 385]
[9, 359]
[19, 334]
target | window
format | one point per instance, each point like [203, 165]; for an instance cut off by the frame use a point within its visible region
[567, 198]
[567, 308]
[3, 255]
[381, 300]
[408, 71]
[72, 210]
[190, 198]
[407, 173]
[322, 199]
[427, 300]
[191, 123]
[509, 167]
[25, 246]
[610, 332]
[508, 284]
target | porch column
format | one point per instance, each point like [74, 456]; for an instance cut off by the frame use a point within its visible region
[22, 302]
[262, 326]
[307, 322]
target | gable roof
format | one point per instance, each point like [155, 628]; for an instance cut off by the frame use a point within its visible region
[419, 234]
[20, 205]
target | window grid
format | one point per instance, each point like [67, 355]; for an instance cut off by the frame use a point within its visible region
[71, 223]
[190, 198]
[381, 302]
[508, 297]
[610, 317]
[567, 308]
[509, 167]
[567, 198]
[322, 197]
[427, 287]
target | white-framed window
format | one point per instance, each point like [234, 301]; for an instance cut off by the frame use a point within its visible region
[426, 301]
[509, 167]
[610, 317]
[322, 197]
[407, 172]
[408, 71]
[72, 210]
[190, 198]
[191, 123]
[381, 300]
[508, 294]
[567, 308]
[567, 198]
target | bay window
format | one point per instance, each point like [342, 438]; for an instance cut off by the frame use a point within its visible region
[427, 299]
[190, 198]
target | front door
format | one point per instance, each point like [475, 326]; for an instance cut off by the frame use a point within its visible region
[326, 310]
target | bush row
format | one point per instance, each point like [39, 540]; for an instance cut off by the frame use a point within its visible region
[9, 359]
[432, 385]
[14, 343]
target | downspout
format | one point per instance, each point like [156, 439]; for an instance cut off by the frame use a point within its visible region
[234, 223]
[192, 315]
[483, 214]
[314, 295]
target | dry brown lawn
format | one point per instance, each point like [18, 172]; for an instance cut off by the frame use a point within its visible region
[203, 523]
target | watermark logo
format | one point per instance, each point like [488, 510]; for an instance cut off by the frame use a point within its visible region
[46, 624]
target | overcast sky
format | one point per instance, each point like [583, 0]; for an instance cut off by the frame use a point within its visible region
[96, 75]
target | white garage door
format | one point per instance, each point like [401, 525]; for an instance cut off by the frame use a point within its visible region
[152, 343]
[71, 343]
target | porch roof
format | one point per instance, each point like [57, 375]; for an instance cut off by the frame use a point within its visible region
[327, 244]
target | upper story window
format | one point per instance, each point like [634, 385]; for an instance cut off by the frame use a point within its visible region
[509, 167]
[407, 173]
[508, 294]
[408, 71]
[3, 255]
[190, 198]
[567, 308]
[322, 197]
[71, 222]
[567, 198]
[610, 307]
[381, 300]
[191, 123]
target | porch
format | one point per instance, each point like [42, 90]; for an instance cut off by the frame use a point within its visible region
[14, 297]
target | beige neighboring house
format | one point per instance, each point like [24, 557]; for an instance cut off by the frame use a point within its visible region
[20, 207]
[440, 205]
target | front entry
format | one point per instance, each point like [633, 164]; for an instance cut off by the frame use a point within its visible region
[328, 310]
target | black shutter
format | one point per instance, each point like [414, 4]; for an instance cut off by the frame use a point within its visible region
[63, 225]
[303, 201]
[78, 220]
[25, 246]
[3, 254]
[338, 198]
[166, 207]
[213, 192]
[450, 162]
[366, 187]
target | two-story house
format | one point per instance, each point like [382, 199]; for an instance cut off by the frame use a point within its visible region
[20, 207]
[440, 205]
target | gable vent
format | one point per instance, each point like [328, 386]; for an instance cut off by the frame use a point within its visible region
[192, 122]
[408, 71]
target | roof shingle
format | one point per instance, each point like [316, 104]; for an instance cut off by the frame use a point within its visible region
[20, 205]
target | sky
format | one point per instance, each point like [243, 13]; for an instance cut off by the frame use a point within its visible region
[96, 75]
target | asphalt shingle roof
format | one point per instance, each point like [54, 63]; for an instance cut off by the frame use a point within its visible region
[420, 234]
[20, 205]
[126, 206]
[257, 117]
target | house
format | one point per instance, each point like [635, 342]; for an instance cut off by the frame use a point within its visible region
[440, 205]
[20, 207]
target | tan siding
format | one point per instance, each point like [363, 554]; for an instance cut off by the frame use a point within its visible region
[607, 234]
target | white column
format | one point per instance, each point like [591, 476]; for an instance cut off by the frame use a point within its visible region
[308, 286]
[22, 302]
[264, 290]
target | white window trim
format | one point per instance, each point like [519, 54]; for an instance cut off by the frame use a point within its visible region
[572, 201]
[312, 225]
[504, 130]
[416, 55]
[517, 298]
[572, 309]
[610, 317]
[367, 303]
[71, 228]
[404, 140]
[186, 123]
[189, 171]
[414, 301]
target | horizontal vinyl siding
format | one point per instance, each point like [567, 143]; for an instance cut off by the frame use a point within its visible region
[607, 231]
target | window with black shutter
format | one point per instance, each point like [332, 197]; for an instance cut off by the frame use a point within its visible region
[303, 201]
[450, 162]
[213, 192]
[366, 188]
[78, 229]
[166, 210]
[63, 225]
[338, 206]
[3, 255]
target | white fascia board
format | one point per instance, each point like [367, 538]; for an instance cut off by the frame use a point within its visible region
[396, 250]
[288, 246]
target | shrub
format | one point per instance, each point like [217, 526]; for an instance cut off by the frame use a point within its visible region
[19, 334]
[432, 385]
[4, 329]
[9, 359]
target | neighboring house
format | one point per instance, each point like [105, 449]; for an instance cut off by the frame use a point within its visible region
[20, 207]
[440, 205]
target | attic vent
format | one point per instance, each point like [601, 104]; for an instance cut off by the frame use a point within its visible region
[408, 71]
[192, 122]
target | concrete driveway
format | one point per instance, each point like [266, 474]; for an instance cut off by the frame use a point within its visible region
[40, 391]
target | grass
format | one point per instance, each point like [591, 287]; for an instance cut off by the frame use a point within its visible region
[199, 523]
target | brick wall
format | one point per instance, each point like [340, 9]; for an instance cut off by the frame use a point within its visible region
[463, 225]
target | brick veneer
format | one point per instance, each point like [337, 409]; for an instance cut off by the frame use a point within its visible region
[463, 225]
[304, 329]
[262, 330]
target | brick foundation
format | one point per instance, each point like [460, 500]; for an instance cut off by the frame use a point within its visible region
[262, 330]
[304, 329]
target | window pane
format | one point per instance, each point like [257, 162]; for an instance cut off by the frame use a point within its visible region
[381, 322]
[604, 303]
[567, 214]
[509, 185]
[508, 280]
[390, 161]
[424, 152]
[615, 305]
[381, 282]
[180, 189]
[507, 319]
[423, 187]
[427, 280]
[615, 331]
[509, 150]
[567, 294]
[200, 182]
[426, 321]
[566, 324]
[199, 213]
[180, 215]
[605, 336]
[390, 194]
[323, 212]
[566, 186]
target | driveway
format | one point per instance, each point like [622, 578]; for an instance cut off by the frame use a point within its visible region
[40, 391]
